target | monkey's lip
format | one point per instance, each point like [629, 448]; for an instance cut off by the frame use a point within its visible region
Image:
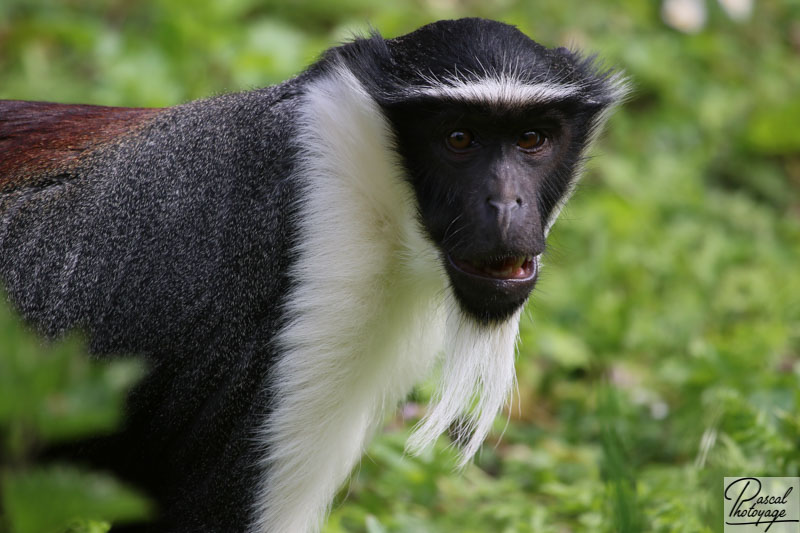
[511, 268]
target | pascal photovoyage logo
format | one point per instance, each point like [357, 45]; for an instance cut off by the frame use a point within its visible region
[762, 504]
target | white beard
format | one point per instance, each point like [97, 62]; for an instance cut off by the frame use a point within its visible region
[476, 379]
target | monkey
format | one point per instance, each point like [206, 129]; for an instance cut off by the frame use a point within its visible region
[290, 261]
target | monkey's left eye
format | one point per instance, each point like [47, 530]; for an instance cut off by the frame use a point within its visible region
[532, 141]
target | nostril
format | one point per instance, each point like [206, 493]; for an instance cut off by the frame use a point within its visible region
[519, 202]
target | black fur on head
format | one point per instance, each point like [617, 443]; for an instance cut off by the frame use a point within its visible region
[489, 205]
[471, 50]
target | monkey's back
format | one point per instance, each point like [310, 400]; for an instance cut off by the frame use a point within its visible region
[168, 240]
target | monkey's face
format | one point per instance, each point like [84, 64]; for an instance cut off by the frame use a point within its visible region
[487, 181]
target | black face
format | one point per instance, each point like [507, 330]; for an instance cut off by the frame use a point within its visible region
[487, 176]
[486, 181]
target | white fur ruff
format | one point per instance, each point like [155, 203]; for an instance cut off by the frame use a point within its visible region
[372, 310]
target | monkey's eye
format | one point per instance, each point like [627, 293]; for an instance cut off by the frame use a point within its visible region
[532, 141]
[459, 140]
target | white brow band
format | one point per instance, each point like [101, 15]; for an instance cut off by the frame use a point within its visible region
[501, 91]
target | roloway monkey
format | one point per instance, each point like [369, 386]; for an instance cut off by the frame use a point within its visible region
[290, 261]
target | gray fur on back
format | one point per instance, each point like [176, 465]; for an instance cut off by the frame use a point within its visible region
[172, 243]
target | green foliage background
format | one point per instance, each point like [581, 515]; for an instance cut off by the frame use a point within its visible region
[661, 350]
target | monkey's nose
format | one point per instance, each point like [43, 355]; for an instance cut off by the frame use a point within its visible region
[505, 205]
[505, 211]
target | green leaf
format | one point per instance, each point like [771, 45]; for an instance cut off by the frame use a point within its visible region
[59, 498]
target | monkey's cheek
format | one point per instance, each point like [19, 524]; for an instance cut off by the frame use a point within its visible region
[489, 300]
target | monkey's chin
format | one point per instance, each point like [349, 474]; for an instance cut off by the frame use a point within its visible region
[491, 292]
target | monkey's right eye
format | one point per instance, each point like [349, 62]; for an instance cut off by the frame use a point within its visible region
[459, 140]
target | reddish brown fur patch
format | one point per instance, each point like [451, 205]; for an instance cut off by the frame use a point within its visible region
[40, 139]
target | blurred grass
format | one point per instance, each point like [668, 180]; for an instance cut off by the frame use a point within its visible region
[661, 350]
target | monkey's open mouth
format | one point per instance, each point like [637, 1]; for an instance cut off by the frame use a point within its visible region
[492, 288]
[515, 268]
